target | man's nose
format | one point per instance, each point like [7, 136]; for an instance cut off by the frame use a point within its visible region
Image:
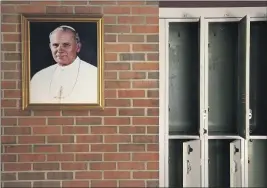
[59, 48]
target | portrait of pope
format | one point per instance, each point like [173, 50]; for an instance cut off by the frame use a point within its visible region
[69, 78]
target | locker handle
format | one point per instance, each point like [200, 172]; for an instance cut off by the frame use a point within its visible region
[189, 149]
[236, 150]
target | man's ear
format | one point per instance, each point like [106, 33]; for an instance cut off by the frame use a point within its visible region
[79, 46]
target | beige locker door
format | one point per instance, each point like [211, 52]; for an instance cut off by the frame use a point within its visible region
[243, 76]
[236, 164]
[191, 164]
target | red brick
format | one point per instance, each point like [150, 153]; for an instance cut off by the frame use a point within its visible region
[45, 166]
[111, 93]
[31, 139]
[103, 129]
[8, 158]
[88, 175]
[117, 47]
[31, 121]
[145, 84]
[75, 148]
[11, 37]
[117, 121]
[131, 19]
[110, 56]
[74, 2]
[104, 112]
[131, 166]
[103, 183]
[8, 28]
[103, 166]
[74, 166]
[60, 9]
[152, 147]
[88, 120]
[130, 38]
[117, 174]
[8, 9]
[146, 175]
[103, 147]
[145, 29]
[8, 84]
[145, 47]
[88, 157]
[8, 121]
[145, 157]
[46, 113]
[18, 149]
[117, 156]
[17, 131]
[132, 147]
[132, 130]
[117, 84]
[46, 148]
[132, 75]
[31, 158]
[131, 112]
[75, 113]
[145, 10]
[8, 103]
[89, 138]
[145, 102]
[17, 166]
[116, 10]
[46, 130]
[30, 9]
[117, 66]
[110, 19]
[61, 121]
[132, 183]
[117, 138]
[131, 93]
[85, 9]
[118, 102]
[75, 183]
[8, 140]
[145, 66]
[60, 139]
[60, 157]
[75, 130]
[145, 120]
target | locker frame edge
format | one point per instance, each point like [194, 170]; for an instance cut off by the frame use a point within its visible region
[220, 13]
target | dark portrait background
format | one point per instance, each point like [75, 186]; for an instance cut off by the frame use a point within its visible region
[40, 54]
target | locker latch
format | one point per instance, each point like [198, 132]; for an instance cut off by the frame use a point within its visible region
[250, 114]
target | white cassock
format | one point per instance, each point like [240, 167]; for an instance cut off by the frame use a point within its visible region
[74, 83]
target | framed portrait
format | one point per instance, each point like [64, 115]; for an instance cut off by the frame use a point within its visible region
[62, 61]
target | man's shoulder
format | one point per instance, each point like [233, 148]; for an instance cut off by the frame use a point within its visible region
[88, 66]
[44, 72]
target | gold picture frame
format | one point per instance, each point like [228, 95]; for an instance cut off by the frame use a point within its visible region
[44, 61]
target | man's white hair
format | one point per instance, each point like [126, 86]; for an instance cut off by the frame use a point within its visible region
[67, 28]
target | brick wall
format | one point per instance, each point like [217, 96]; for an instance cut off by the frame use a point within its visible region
[117, 146]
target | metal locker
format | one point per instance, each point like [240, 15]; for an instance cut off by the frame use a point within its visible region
[258, 69]
[216, 78]
[183, 78]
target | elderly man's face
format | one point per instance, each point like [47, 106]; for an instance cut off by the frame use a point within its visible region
[64, 47]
